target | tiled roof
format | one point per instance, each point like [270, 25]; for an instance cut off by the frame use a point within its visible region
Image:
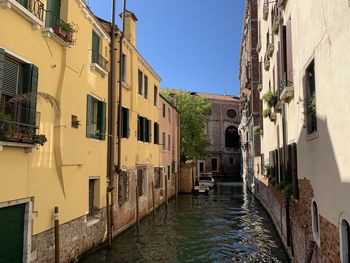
[217, 96]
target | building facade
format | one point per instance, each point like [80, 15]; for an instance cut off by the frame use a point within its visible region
[222, 129]
[53, 124]
[304, 183]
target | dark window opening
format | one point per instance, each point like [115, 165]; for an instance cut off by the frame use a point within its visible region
[156, 133]
[140, 82]
[125, 123]
[232, 138]
[214, 164]
[311, 99]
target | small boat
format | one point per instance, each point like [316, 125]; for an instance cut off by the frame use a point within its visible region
[201, 189]
[206, 180]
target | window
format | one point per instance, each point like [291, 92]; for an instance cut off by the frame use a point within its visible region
[156, 133]
[75, 123]
[214, 164]
[169, 115]
[231, 160]
[169, 142]
[141, 182]
[231, 137]
[17, 78]
[140, 81]
[311, 99]
[93, 195]
[123, 188]
[124, 62]
[144, 130]
[53, 14]
[163, 110]
[345, 241]
[155, 95]
[169, 172]
[146, 87]
[157, 178]
[315, 221]
[231, 113]
[164, 142]
[96, 118]
[125, 123]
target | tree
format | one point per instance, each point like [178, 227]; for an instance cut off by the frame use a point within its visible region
[193, 139]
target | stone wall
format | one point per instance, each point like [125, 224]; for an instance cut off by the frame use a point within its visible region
[76, 237]
[327, 250]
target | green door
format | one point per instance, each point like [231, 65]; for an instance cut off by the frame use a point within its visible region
[11, 233]
[53, 13]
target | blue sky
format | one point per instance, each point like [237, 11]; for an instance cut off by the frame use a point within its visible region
[192, 44]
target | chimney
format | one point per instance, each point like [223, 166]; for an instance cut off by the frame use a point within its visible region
[172, 99]
[130, 27]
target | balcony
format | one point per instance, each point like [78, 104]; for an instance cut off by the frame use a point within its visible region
[287, 87]
[99, 63]
[266, 62]
[270, 49]
[57, 29]
[31, 10]
[277, 21]
[16, 126]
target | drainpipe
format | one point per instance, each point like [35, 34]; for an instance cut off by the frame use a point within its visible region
[111, 130]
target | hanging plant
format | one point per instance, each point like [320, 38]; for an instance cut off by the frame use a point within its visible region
[270, 99]
[266, 113]
[267, 170]
[312, 104]
[257, 130]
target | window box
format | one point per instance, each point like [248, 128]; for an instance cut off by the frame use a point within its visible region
[267, 63]
[287, 93]
[273, 116]
[270, 49]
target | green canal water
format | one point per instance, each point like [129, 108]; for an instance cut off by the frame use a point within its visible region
[229, 225]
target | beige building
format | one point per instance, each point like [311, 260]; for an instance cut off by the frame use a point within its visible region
[305, 78]
[222, 129]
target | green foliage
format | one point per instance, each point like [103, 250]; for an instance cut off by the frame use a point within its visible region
[288, 191]
[40, 139]
[270, 99]
[193, 139]
[69, 28]
[312, 104]
[4, 117]
[266, 113]
[267, 170]
[257, 130]
[281, 185]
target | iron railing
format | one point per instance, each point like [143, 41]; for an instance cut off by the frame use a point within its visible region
[18, 123]
[62, 29]
[99, 60]
[36, 7]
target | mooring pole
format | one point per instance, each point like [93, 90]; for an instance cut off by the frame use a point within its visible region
[137, 207]
[57, 235]
[154, 207]
[166, 189]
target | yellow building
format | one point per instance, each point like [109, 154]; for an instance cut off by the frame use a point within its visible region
[140, 153]
[40, 52]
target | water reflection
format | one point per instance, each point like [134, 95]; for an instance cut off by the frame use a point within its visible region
[229, 225]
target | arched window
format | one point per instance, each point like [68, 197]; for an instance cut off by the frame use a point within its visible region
[345, 239]
[232, 137]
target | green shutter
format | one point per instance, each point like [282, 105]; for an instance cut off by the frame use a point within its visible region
[2, 64]
[150, 131]
[140, 80]
[34, 89]
[101, 120]
[30, 85]
[89, 116]
[54, 13]
[146, 87]
[95, 47]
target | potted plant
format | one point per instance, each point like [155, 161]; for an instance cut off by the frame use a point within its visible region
[266, 113]
[27, 135]
[65, 30]
[257, 130]
[40, 139]
[270, 99]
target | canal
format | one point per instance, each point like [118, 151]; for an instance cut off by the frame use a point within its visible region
[229, 225]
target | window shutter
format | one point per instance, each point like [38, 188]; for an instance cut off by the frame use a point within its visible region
[150, 131]
[138, 128]
[146, 130]
[95, 47]
[89, 115]
[2, 65]
[140, 77]
[146, 87]
[289, 51]
[33, 89]
[127, 123]
[101, 120]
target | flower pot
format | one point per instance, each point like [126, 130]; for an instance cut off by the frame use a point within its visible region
[69, 38]
[60, 32]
